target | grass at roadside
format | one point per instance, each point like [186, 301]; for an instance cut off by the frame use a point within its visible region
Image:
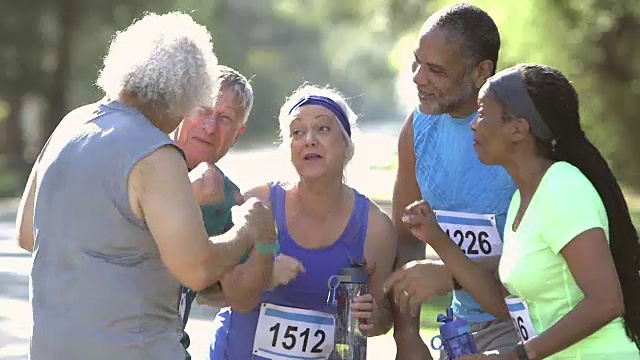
[429, 327]
[431, 310]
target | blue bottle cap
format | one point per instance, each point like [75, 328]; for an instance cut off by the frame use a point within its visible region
[451, 326]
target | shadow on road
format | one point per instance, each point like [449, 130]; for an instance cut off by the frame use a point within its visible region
[16, 255]
[14, 286]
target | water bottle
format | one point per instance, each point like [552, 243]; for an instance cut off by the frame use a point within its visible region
[455, 337]
[349, 342]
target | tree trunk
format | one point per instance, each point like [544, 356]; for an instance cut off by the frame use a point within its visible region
[14, 137]
[68, 15]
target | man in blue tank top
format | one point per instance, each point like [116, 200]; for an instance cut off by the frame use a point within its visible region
[456, 52]
[205, 136]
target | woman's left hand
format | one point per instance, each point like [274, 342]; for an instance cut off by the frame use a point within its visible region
[363, 308]
[422, 222]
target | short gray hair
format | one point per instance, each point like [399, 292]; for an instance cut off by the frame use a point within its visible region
[473, 27]
[307, 89]
[230, 79]
[166, 61]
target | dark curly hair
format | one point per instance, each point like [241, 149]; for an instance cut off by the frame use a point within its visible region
[557, 102]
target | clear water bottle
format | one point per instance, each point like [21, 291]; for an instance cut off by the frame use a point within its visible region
[351, 282]
[455, 336]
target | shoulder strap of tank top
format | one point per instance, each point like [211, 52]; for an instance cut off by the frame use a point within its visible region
[277, 196]
[357, 227]
[419, 121]
[363, 209]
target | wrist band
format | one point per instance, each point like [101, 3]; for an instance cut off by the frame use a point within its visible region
[521, 352]
[267, 249]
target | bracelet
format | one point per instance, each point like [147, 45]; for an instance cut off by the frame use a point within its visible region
[521, 352]
[268, 249]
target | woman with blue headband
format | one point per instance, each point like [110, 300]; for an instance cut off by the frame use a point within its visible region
[571, 258]
[323, 226]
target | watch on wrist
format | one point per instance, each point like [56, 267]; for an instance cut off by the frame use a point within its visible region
[268, 249]
[521, 352]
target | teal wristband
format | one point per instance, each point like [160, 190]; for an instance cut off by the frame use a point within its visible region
[268, 248]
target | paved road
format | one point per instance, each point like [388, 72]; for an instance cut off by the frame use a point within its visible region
[15, 312]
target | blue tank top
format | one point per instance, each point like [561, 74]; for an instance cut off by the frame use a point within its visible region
[451, 178]
[234, 332]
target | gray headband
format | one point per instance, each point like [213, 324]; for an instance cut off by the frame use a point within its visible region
[510, 90]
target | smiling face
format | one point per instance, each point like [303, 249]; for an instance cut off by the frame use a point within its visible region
[443, 77]
[318, 145]
[207, 134]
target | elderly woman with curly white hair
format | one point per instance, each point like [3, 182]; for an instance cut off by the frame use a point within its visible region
[108, 211]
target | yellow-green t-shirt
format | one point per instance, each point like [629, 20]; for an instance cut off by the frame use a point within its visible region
[532, 268]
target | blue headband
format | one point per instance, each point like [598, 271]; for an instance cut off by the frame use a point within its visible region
[328, 104]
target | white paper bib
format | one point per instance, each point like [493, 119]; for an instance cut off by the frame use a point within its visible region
[519, 312]
[476, 234]
[183, 304]
[285, 333]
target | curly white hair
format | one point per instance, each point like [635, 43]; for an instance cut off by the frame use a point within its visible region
[308, 89]
[167, 61]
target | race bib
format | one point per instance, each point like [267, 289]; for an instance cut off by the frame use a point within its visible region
[476, 234]
[285, 333]
[183, 304]
[521, 319]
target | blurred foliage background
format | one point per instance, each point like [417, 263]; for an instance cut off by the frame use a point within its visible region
[51, 50]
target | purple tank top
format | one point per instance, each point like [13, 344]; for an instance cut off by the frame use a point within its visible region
[234, 332]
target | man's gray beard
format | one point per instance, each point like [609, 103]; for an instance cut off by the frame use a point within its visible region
[451, 104]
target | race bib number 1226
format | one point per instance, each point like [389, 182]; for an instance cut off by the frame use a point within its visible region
[476, 234]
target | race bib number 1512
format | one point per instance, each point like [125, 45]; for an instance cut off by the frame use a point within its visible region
[291, 333]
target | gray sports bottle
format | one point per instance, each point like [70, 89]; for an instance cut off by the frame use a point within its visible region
[349, 342]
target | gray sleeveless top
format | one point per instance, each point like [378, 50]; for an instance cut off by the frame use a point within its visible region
[98, 288]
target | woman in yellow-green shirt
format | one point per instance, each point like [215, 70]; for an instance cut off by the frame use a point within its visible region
[571, 258]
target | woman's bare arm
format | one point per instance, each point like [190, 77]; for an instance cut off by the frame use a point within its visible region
[380, 253]
[242, 287]
[589, 259]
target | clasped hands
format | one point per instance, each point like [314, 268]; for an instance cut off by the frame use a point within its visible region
[415, 283]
